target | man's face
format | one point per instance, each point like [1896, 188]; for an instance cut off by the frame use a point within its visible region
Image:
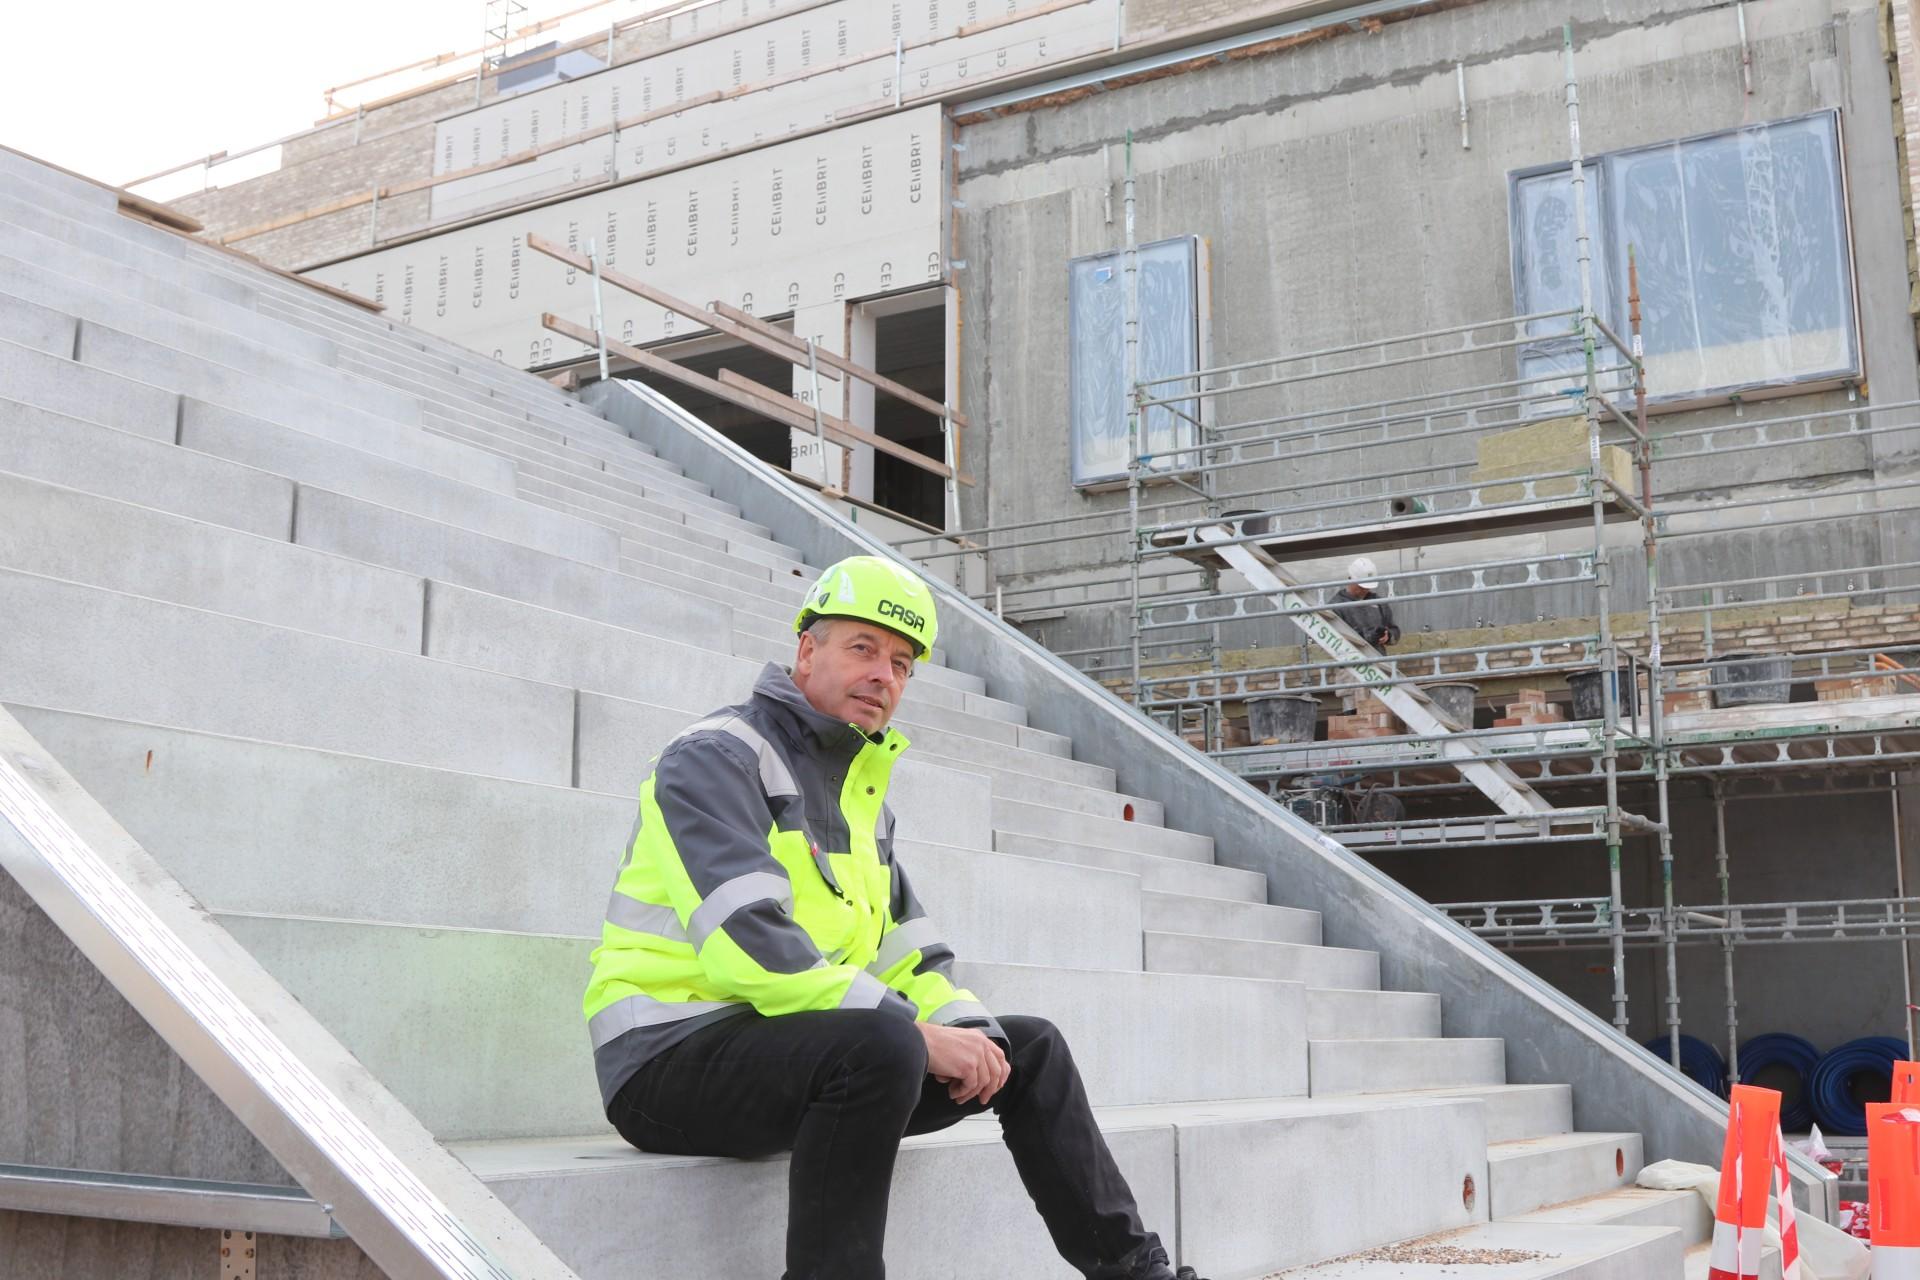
[857, 672]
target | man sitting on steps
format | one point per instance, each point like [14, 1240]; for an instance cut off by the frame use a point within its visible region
[766, 980]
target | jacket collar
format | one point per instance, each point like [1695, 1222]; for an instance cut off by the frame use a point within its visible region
[775, 689]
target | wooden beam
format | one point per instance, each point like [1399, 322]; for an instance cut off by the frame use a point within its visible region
[763, 400]
[661, 298]
[866, 375]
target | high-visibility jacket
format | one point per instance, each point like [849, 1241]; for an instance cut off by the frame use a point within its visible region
[760, 877]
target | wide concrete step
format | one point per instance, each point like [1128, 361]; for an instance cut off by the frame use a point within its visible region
[1512, 1111]
[60, 533]
[1387, 1066]
[1334, 1014]
[109, 399]
[35, 327]
[329, 834]
[1539, 1251]
[149, 306]
[1165, 875]
[341, 469]
[51, 447]
[1685, 1211]
[1190, 1167]
[527, 1065]
[1530, 1173]
[1015, 784]
[1212, 918]
[635, 523]
[1026, 818]
[1342, 968]
[108, 653]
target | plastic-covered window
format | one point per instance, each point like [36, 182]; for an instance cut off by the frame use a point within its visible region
[1096, 357]
[1746, 279]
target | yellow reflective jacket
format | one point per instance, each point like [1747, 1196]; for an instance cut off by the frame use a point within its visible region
[760, 877]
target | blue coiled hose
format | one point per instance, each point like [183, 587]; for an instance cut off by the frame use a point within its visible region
[1700, 1062]
[1785, 1062]
[1858, 1072]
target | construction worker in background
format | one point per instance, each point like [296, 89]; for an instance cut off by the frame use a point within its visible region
[1370, 617]
[767, 981]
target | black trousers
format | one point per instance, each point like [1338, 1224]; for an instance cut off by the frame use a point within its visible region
[840, 1089]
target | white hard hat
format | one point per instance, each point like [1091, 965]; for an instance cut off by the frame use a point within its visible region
[1364, 572]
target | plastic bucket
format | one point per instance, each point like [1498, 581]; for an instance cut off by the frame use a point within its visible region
[1746, 679]
[1288, 718]
[1590, 692]
[1455, 701]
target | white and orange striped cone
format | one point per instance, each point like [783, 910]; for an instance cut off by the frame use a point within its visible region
[1789, 1222]
[1746, 1176]
[1893, 1182]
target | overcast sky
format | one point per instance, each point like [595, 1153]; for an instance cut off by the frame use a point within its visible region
[118, 90]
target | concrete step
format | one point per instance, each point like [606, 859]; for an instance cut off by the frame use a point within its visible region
[1698, 1263]
[59, 533]
[1165, 875]
[529, 1067]
[631, 519]
[1025, 818]
[1530, 1173]
[1334, 1014]
[561, 472]
[1212, 918]
[380, 535]
[106, 295]
[1340, 968]
[1016, 785]
[107, 653]
[28, 325]
[324, 833]
[54, 448]
[33, 377]
[1684, 1211]
[1189, 1165]
[1387, 1066]
[1541, 1251]
[1512, 1111]
[324, 464]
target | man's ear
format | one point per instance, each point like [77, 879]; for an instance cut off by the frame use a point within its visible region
[803, 658]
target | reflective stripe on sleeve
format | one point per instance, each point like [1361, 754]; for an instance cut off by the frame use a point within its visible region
[914, 935]
[625, 1015]
[716, 907]
[954, 1010]
[644, 917]
[864, 992]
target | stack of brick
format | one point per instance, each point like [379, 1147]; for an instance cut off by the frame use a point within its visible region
[1687, 692]
[1370, 719]
[1531, 708]
[1842, 688]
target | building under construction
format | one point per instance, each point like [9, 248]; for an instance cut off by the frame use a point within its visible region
[1140, 324]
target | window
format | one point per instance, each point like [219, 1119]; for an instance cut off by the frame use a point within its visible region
[1746, 276]
[1171, 317]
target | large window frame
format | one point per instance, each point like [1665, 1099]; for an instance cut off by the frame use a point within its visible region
[1097, 397]
[1555, 356]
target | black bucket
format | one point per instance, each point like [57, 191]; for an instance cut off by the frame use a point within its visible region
[1287, 718]
[1589, 693]
[1733, 673]
[1455, 701]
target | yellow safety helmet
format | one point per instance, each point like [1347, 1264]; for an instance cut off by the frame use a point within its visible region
[875, 590]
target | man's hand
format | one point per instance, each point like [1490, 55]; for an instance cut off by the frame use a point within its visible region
[965, 1060]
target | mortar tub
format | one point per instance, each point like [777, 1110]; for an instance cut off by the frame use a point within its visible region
[1589, 693]
[1750, 679]
[1455, 701]
[1288, 718]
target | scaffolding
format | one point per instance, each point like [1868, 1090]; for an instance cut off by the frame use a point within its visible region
[1282, 467]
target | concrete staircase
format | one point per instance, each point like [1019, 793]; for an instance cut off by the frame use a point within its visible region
[367, 639]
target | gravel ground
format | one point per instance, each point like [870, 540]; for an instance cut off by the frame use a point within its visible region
[1431, 1254]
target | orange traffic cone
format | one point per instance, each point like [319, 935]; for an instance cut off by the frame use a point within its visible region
[1789, 1219]
[1893, 1181]
[1747, 1174]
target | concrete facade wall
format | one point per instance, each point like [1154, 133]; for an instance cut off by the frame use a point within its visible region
[1339, 205]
